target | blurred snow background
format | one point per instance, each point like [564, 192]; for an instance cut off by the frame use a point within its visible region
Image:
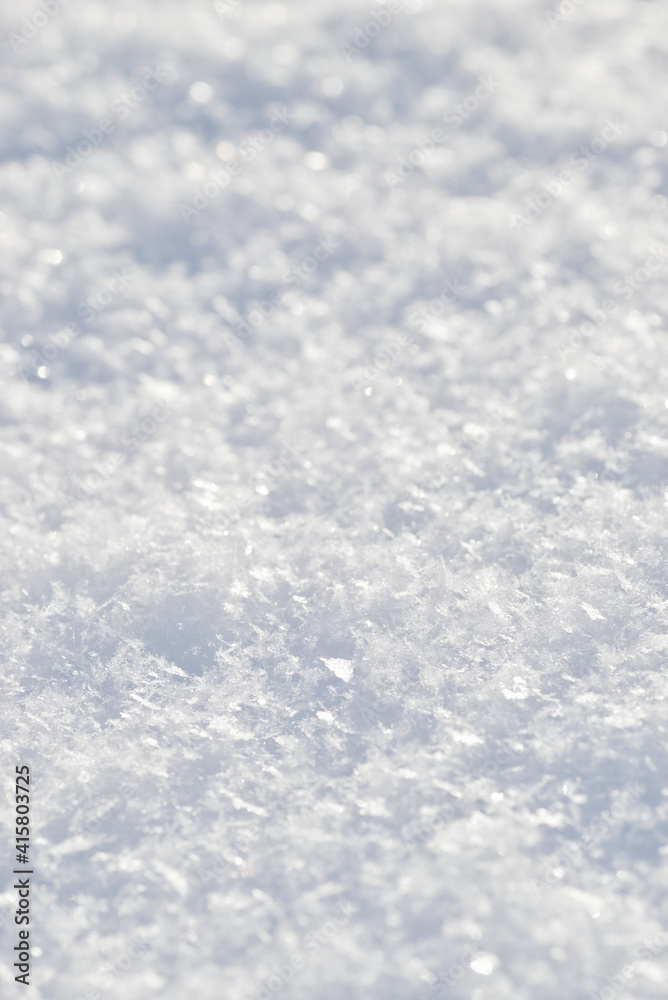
[344, 639]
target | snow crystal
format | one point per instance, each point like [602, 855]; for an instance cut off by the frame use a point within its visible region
[334, 488]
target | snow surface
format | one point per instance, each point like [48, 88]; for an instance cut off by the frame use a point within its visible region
[341, 640]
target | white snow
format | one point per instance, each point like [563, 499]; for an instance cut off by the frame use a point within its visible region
[334, 485]
[342, 668]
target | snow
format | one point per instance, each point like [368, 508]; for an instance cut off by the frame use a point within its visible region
[333, 497]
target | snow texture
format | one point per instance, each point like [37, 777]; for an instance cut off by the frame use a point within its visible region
[335, 622]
